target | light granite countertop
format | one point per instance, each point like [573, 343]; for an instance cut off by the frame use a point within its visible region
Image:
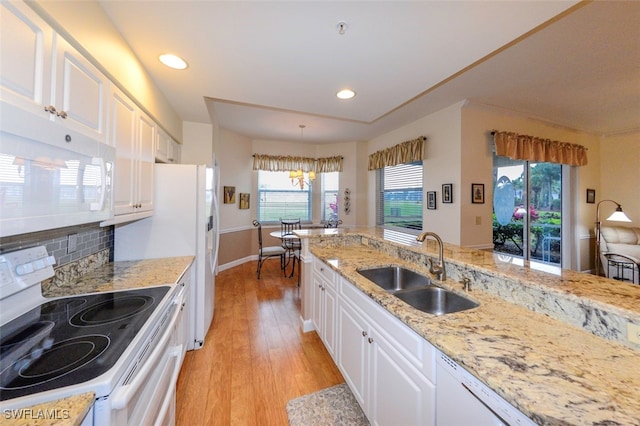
[113, 276]
[116, 276]
[69, 411]
[554, 372]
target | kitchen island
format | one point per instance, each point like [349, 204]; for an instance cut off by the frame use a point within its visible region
[552, 370]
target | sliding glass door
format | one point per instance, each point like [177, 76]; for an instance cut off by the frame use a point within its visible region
[527, 206]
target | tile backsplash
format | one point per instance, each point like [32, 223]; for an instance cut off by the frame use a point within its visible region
[90, 239]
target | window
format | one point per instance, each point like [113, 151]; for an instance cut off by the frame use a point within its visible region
[399, 196]
[330, 187]
[278, 198]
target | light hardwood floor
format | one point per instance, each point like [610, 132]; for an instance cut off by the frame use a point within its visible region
[255, 356]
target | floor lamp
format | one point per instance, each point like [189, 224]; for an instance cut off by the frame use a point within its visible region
[616, 216]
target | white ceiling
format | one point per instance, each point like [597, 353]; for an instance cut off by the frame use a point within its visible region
[265, 67]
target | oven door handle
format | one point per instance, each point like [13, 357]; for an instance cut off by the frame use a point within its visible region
[166, 404]
[124, 394]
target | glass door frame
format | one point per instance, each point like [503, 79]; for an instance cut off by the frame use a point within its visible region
[568, 215]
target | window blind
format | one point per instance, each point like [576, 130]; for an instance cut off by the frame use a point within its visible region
[399, 196]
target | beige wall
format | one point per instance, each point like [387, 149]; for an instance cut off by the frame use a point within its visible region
[620, 175]
[442, 165]
[478, 121]
[93, 34]
[197, 146]
[238, 240]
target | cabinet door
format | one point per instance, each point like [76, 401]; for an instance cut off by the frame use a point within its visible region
[316, 302]
[147, 134]
[123, 136]
[176, 153]
[162, 146]
[399, 393]
[352, 350]
[25, 58]
[80, 92]
[329, 312]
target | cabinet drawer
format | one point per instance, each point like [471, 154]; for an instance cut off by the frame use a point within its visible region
[416, 349]
[325, 271]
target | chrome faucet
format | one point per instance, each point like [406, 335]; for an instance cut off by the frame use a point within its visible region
[439, 269]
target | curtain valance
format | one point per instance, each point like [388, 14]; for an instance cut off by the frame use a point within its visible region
[278, 163]
[405, 152]
[531, 148]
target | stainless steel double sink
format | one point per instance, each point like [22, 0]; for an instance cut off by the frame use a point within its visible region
[417, 290]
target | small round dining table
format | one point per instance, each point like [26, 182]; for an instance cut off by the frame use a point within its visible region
[284, 237]
[278, 234]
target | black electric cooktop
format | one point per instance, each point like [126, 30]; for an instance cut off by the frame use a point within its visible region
[71, 340]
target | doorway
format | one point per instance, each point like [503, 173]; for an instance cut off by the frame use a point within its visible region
[527, 209]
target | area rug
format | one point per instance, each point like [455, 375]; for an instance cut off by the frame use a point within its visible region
[331, 406]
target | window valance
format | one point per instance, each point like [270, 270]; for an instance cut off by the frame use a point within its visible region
[531, 148]
[278, 163]
[405, 152]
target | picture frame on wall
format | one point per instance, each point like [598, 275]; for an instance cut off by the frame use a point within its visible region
[244, 201]
[591, 196]
[447, 193]
[229, 194]
[431, 200]
[477, 193]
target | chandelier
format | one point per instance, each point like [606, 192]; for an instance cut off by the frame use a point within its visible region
[298, 176]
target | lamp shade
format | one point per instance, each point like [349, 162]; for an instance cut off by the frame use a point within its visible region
[618, 216]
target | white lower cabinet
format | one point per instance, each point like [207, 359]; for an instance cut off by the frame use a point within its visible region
[324, 304]
[391, 388]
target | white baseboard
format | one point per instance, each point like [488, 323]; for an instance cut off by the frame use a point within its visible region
[306, 325]
[237, 262]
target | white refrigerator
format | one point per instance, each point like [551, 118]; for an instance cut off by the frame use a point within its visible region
[184, 223]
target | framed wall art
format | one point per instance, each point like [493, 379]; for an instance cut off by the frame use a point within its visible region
[477, 193]
[229, 194]
[447, 193]
[591, 196]
[431, 200]
[244, 201]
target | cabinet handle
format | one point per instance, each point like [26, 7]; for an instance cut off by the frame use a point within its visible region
[50, 109]
[62, 114]
[364, 333]
[370, 340]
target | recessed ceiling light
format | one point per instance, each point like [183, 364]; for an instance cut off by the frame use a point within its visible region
[345, 94]
[173, 61]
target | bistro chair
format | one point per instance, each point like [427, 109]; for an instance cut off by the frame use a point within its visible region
[292, 246]
[265, 253]
[287, 226]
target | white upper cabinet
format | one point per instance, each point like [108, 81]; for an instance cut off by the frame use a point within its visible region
[43, 74]
[80, 92]
[162, 146]
[167, 149]
[147, 135]
[133, 133]
[25, 55]
[123, 136]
